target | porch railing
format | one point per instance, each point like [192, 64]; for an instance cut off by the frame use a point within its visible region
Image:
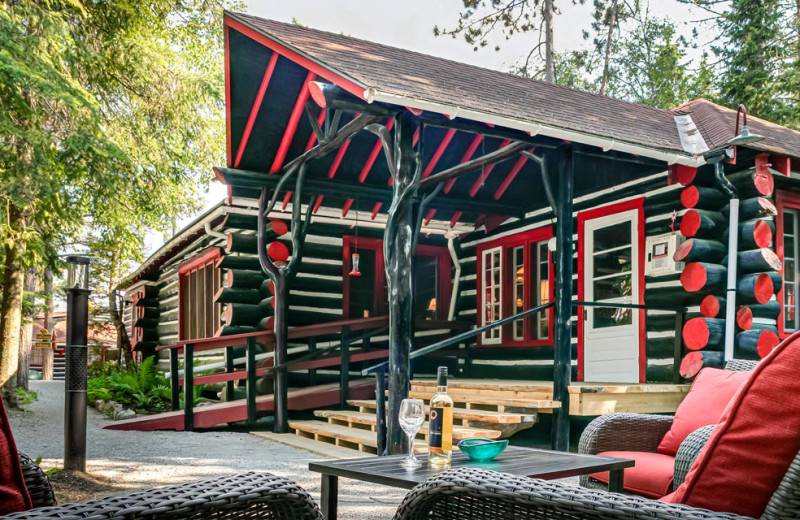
[379, 370]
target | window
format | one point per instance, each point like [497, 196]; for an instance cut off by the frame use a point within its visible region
[790, 278]
[366, 295]
[199, 281]
[515, 274]
[136, 313]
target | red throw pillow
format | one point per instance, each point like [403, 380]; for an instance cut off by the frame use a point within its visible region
[748, 454]
[13, 493]
[710, 393]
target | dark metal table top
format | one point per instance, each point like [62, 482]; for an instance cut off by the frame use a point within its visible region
[515, 460]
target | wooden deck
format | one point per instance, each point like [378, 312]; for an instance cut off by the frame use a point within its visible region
[586, 399]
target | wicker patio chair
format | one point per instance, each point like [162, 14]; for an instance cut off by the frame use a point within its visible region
[467, 494]
[246, 495]
[643, 432]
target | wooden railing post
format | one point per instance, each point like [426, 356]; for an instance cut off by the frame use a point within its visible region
[251, 380]
[174, 379]
[229, 385]
[312, 372]
[680, 317]
[344, 367]
[380, 411]
[188, 387]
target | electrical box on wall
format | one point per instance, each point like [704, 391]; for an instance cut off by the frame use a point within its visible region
[659, 251]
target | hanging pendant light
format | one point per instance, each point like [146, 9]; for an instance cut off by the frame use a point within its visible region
[355, 256]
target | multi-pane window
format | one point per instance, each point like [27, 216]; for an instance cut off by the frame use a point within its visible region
[514, 277]
[200, 316]
[491, 305]
[790, 267]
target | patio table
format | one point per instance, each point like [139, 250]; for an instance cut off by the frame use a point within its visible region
[528, 462]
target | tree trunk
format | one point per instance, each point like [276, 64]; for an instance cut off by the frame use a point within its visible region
[47, 357]
[609, 40]
[123, 340]
[549, 49]
[26, 334]
[11, 308]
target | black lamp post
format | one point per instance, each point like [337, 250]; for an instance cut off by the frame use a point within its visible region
[77, 363]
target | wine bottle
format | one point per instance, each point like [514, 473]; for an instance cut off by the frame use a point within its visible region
[440, 429]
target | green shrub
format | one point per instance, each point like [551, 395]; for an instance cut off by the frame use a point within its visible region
[143, 388]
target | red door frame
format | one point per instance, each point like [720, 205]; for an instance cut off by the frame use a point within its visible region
[605, 211]
[379, 298]
[783, 199]
[523, 238]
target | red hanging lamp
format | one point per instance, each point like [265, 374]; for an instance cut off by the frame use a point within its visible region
[355, 256]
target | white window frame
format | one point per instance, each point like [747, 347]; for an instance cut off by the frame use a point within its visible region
[495, 335]
[795, 283]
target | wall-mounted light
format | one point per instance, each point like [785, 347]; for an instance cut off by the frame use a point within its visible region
[743, 137]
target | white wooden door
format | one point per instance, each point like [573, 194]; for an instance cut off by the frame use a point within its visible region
[611, 275]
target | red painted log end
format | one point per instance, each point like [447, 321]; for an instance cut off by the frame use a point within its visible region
[764, 182]
[690, 196]
[278, 252]
[763, 289]
[762, 234]
[709, 307]
[693, 277]
[767, 341]
[685, 174]
[767, 206]
[744, 317]
[279, 227]
[683, 250]
[690, 223]
[691, 364]
[695, 333]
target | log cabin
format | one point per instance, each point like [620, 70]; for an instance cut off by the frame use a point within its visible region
[389, 212]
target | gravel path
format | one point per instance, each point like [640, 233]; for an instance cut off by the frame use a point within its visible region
[138, 460]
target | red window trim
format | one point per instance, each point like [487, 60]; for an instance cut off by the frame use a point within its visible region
[208, 256]
[379, 298]
[524, 238]
[783, 199]
[604, 211]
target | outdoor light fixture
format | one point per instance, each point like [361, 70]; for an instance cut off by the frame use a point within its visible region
[743, 137]
[77, 361]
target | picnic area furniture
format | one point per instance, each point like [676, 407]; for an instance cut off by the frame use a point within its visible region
[523, 462]
[662, 445]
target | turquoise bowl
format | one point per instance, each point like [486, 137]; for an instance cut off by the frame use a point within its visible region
[480, 449]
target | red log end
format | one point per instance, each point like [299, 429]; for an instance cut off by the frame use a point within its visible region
[768, 208]
[690, 196]
[695, 333]
[683, 250]
[771, 258]
[229, 278]
[762, 234]
[693, 277]
[315, 89]
[744, 317]
[691, 364]
[270, 323]
[229, 243]
[690, 223]
[763, 289]
[764, 182]
[709, 307]
[280, 253]
[767, 341]
[228, 314]
[272, 287]
[685, 174]
[279, 227]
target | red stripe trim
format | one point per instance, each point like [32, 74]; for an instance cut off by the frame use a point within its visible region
[510, 177]
[338, 159]
[485, 172]
[255, 108]
[429, 216]
[375, 209]
[439, 152]
[318, 203]
[467, 156]
[286, 199]
[291, 126]
[373, 156]
[454, 219]
[346, 208]
[204, 258]
[228, 98]
[283, 50]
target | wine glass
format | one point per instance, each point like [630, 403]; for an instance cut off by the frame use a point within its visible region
[412, 414]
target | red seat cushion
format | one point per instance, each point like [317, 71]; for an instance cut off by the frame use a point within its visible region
[748, 454]
[13, 493]
[710, 393]
[650, 477]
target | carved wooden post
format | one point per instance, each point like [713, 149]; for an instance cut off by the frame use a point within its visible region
[406, 166]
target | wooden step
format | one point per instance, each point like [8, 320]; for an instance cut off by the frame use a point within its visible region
[490, 387]
[362, 440]
[487, 416]
[368, 419]
[499, 402]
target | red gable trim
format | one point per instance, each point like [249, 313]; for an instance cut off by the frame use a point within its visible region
[348, 84]
[207, 256]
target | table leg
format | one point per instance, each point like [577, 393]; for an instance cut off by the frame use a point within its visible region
[615, 480]
[329, 496]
